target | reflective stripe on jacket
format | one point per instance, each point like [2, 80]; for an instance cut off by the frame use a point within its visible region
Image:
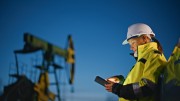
[148, 67]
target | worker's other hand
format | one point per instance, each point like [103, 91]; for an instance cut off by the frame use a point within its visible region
[113, 87]
[108, 86]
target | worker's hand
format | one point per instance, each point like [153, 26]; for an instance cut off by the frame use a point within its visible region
[108, 87]
[113, 79]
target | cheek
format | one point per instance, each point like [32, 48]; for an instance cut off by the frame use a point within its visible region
[134, 46]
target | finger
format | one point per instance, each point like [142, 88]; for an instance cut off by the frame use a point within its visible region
[108, 87]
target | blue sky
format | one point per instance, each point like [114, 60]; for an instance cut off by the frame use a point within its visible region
[98, 28]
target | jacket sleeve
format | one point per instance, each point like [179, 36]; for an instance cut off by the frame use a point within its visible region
[148, 82]
[133, 91]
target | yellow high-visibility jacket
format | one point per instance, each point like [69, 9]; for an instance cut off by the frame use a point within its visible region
[149, 65]
[171, 88]
[172, 71]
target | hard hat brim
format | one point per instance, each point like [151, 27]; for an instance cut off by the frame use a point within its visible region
[125, 42]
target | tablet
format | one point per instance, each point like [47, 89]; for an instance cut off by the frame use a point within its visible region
[100, 80]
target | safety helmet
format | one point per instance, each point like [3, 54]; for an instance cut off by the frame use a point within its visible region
[136, 30]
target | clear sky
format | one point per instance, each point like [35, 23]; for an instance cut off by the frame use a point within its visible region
[98, 28]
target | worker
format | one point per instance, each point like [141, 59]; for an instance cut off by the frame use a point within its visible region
[141, 82]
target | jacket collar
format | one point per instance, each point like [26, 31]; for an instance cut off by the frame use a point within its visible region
[145, 48]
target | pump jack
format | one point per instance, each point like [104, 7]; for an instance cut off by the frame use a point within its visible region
[33, 44]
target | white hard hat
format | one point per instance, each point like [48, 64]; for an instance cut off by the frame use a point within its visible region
[136, 30]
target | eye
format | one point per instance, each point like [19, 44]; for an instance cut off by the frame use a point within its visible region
[132, 42]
